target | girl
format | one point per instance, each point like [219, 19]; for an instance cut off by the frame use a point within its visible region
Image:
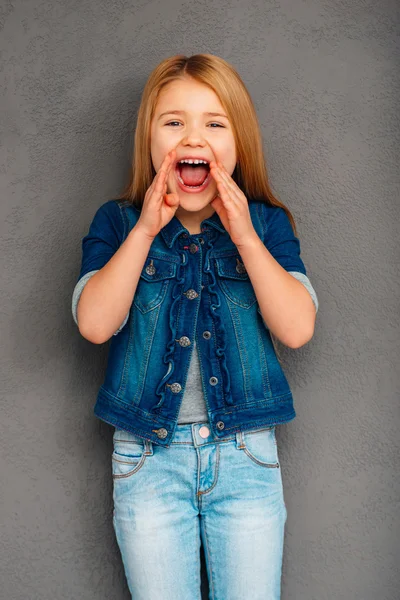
[192, 273]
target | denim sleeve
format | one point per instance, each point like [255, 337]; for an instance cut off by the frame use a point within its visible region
[103, 239]
[307, 283]
[280, 240]
[105, 235]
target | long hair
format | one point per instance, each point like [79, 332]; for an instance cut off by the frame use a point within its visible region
[250, 172]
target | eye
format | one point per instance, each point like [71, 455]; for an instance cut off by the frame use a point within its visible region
[217, 124]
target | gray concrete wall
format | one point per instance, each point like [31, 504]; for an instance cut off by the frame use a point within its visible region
[325, 80]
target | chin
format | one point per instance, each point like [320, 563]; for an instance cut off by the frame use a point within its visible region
[194, 202]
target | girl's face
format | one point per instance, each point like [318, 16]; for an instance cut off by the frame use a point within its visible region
[192, 133]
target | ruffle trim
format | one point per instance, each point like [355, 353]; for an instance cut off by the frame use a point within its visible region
[168, 356]
[219, 327]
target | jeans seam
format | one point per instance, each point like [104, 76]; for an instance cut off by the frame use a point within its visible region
[211, 581]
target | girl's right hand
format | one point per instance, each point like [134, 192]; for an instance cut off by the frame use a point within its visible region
[158, 206]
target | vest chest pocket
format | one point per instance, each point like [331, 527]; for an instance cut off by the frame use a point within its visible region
[153, 283]
[234, 280]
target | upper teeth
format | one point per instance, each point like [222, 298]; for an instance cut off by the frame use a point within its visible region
[195, 161]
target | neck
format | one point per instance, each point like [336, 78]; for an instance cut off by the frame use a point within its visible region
[192, 220]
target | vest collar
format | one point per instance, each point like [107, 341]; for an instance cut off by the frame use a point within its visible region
[174, 228]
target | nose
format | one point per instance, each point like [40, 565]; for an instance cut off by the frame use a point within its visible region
[193, 136]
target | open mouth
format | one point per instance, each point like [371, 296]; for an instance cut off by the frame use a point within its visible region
[193, 175]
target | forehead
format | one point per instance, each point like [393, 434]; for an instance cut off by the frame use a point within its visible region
[187, 94]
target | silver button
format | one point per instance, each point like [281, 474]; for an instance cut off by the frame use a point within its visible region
[191, 294]
[204, 432]
[201, 240]
[184, 340]
[161, 433]
[240, 268]
[220, 425]
[193, 248]
[175, 387]
[213, 380]
[150, 269]
[206, 335]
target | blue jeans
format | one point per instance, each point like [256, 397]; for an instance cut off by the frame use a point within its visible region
[226, 493]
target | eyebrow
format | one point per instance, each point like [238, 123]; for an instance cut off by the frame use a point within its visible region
[182, 112]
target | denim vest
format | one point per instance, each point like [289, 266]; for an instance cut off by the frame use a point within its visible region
[192, 287]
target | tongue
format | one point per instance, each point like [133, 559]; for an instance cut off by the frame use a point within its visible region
[193, 175]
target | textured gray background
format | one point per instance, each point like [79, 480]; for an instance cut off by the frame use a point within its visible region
[324, 76]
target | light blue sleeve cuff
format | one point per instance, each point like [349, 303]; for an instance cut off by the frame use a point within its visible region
[307, 283]
[77, 294]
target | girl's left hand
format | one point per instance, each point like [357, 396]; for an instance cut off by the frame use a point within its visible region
[231, 206]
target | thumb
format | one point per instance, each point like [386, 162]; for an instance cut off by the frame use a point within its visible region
[172, 200]
[220, 209]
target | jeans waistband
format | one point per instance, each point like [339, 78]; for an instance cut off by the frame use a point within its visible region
[192, 434]
[197, 434]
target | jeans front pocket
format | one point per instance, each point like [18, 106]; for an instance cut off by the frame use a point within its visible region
[261, 447]
[129, 453]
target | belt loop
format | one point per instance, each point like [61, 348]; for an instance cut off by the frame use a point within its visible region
[148, 449]
[240, 443]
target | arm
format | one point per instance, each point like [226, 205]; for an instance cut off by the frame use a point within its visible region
[109, 275]
[108, 295]
[286, 304]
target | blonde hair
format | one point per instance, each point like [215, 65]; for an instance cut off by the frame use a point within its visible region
[250, 172]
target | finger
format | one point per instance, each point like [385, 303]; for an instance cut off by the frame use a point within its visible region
[224, 192]
[155, 191]
[156, 188]
[224, 188]
[161, 185]
[231, 184]
[164, 170]
[166, 164]
[225, 176]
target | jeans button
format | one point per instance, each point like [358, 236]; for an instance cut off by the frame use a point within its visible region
[204, 432]
[220, 425]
